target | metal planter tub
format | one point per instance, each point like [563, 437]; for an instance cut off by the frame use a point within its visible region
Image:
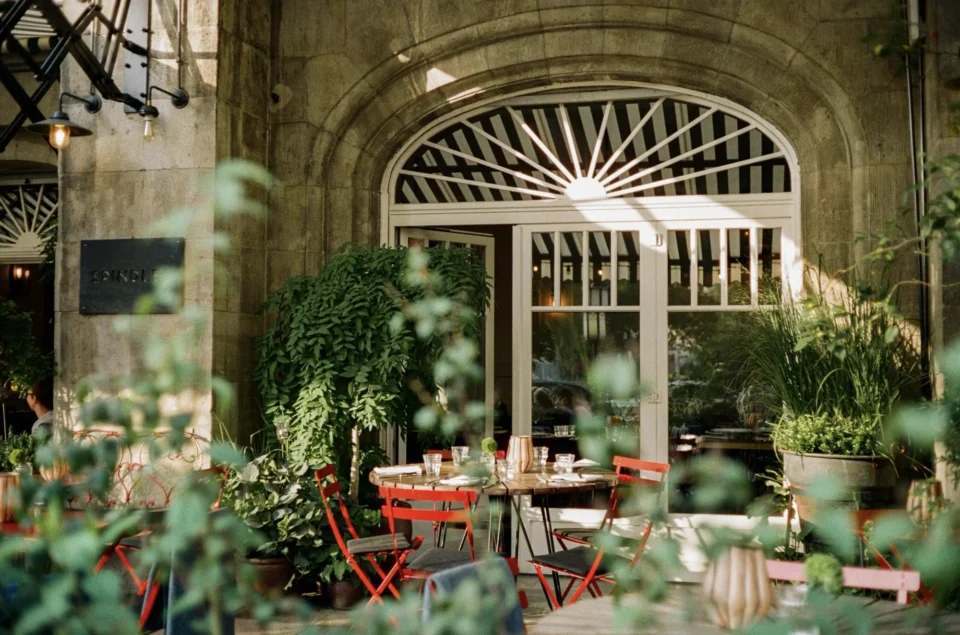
[869, 480]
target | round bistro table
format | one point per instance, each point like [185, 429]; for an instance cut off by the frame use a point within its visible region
[682, 612]
[527, 484]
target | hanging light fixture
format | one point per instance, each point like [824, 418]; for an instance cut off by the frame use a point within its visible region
[179, 98]
[59, 129]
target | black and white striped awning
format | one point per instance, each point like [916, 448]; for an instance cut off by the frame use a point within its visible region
[608, 148]
[32, 26]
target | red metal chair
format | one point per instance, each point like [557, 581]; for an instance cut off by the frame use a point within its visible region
[400, 545]
[130, 544]
[863, 517]
[903, 582]
[590, 564]
[432, 559]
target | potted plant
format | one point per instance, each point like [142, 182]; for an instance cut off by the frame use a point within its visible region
[340, 360]
[835, 369]
[281, 502]
[16, 452]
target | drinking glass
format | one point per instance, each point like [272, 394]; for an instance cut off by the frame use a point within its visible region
[564, 463]
[459, 454]
[506, 469]
[540, 454]
[431, 464]
[489, 461]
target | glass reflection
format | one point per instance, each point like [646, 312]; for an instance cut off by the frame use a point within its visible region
[571, 269]
[542, 266]
[708, 267]
[599, 272]
[628, 269]
[738, 266]
[769, 262]
[678, 268]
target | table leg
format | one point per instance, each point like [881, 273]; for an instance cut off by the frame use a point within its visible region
[548, 531]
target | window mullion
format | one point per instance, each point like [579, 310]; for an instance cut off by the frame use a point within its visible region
[557, 268]
[614, 248]
[754, 260]
[724, 267]
[585, 269]
[692, 241]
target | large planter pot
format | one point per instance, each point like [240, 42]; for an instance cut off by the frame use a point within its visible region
[869, 480]
[343, 594]
[9, 483]
[272, 575]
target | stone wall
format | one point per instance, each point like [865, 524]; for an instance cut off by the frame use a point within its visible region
[353, 80]
[116, 185]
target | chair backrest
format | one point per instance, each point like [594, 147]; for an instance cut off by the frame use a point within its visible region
[630, 473]
[465, 497]
[326, 492]
[902, 582]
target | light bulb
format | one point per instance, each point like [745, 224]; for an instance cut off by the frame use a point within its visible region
[18, 272]
[148, 128]
[59, 136]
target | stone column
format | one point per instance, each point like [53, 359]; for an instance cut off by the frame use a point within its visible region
[115, 184]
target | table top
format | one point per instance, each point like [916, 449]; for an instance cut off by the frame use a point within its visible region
[682, 612]
[530, 483]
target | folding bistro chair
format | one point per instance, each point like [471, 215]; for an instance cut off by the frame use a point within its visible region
[127, 544]
[862, 517]
[400, 545]
[903, 582]
[585, 562]
[432, 559]
[440, 529]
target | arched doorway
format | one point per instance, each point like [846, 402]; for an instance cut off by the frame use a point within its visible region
[627, 219]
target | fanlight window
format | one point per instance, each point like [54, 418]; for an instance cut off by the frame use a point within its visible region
[28, 217]
[608, 148]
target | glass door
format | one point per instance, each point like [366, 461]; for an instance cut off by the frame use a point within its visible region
[588, 290]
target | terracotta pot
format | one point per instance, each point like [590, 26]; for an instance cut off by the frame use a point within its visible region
[520, 451]
[273, 574]
[9, 483]
[925, 501]
[343, 594]
[58, 472]
[736, 589]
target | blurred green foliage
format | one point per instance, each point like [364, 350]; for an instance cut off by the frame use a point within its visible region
[21, 363]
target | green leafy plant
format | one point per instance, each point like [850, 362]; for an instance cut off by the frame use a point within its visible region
[21, 363]
[488, 445]
[835, 367]
[824, 572]
[17, 450]
[282, 504]
[336, 362]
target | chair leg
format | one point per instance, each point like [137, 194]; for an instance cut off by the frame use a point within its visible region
[148, 605]
[551, 598]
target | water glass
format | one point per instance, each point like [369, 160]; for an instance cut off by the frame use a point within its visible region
[540, 455]
[506, 470]
[431, 464]
[459, 453]
[564, 463]
[489, 461]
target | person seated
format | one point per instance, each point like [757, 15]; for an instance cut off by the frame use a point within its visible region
[40, 400]
[561, 413]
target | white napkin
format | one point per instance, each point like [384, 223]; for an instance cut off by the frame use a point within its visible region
[463, 479]
[396, 470]
[576, 478]
[585, 463]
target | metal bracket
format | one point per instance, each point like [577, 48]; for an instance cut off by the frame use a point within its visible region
[136, 57]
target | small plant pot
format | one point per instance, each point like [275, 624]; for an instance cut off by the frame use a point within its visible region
[343, 594]
[273, 574]
[9, 483]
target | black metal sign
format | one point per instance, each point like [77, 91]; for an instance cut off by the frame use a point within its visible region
[115, 274]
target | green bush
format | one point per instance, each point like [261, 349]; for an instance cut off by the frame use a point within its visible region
[17, 450]
[829, 433]
[338, 361]
[282, 504]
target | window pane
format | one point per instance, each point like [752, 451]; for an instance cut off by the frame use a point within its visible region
[599, 268]
[628, 269]
[678, 268]
[713, 406]
[564, 347]
[769, 261]
[542, 269]
[571, 269]
[708, 267]
[738, 266]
